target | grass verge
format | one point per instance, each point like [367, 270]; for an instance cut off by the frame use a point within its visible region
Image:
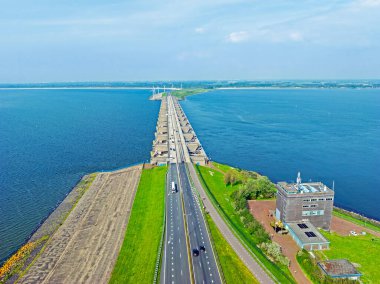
[137, 257]
[233, 268]
[361, 250]
[219, 194]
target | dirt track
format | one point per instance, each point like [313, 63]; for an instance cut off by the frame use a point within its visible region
[85, 247]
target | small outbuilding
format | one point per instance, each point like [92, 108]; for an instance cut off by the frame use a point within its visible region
[339, 268]
[307, 236]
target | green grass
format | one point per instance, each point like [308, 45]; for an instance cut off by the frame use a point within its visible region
[355, 220]
[137, 257]
[222, 167]
[363, 250]
[181, 94]
[308, 266]
[219, 193]
[233, 268]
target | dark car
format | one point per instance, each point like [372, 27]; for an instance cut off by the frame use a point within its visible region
[195, 252]
[202, 248]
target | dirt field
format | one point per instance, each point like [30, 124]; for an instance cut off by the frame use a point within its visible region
[260, 210]
[84, 249]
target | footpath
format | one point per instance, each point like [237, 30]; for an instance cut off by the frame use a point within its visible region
[240, 250]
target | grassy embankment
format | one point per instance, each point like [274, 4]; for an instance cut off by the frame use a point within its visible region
[357, 219]
[220, 195]
[181, 94]
[363, 251]
[234, 270]
[137, 257]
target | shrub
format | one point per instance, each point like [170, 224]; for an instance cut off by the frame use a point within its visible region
[273, 250]
[232, 177]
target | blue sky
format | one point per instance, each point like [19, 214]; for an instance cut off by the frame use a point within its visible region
[83, 40]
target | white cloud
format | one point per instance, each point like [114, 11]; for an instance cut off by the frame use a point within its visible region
[200, 30]
[296, 36]
[369, 3]
[235, 37]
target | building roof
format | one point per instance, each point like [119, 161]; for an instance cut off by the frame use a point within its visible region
[161, 137]
[339, 268]
[306, 233]
[188, 136]
[161, 147]
[186, 129]
[162, 129]
[193, 147]
[304, 188]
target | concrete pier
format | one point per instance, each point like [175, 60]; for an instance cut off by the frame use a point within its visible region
[194, 146]
[159, 154]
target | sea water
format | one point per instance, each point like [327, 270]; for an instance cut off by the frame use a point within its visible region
[49, 139]
[329, 135]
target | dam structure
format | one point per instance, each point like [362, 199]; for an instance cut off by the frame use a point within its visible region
[159, 154]
[188, 254]
[160, 151]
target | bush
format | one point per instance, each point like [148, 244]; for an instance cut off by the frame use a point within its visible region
[273, 250]
[232, 177]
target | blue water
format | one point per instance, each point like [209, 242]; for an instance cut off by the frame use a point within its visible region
[50, 138]
[326, 134]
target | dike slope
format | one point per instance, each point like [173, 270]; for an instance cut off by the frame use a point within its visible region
[85, 248]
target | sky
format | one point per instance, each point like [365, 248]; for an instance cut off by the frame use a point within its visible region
[92, 40]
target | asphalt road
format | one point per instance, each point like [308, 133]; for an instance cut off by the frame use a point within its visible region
[251, 263]
[204, 265]
[175, 265]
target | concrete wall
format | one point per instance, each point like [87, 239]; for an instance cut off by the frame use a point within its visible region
[291, 207]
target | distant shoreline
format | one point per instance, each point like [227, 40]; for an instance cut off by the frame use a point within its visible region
[73, 88]
[211, 89]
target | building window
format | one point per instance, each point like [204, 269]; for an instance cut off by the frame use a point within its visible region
[313, 199]
[313, 213]
[329, 199]
[321, 199]
[313, 205]
[305, 206]
[306, 200]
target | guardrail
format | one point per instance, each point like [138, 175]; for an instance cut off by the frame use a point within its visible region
[158, 260]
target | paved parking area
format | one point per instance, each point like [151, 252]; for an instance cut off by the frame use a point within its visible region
[260, 210]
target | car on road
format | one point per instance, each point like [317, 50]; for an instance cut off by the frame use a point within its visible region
[195, 252]
[174, 187]
[202, 248]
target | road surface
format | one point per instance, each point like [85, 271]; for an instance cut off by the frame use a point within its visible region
[185, 226]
